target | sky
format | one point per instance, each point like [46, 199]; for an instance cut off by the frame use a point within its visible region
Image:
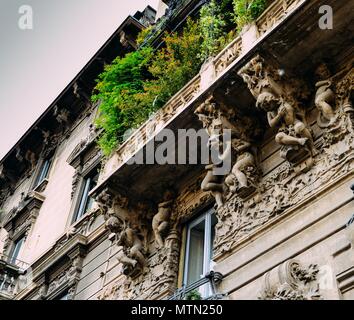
[37, 64]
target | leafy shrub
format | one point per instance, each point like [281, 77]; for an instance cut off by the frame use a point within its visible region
[247, 10]
[116, 88]
[193, 295]
[135, 86]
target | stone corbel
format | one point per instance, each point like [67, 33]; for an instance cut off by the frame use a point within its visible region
[128, 229]
[31, 157]
[281, 99]
[291, 281]
[161, 222]
[50, 142]
[63, 117]
[241, 149]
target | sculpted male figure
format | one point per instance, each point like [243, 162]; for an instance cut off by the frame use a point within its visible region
[245, 160]
[280, 113]
[324, 94]
[131, 255]
[160, 222]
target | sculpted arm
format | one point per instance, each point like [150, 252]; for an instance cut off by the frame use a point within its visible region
[274, 120]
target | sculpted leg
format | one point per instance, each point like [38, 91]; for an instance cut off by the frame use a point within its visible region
[218, 198]
[238, 169]
[122, 258]
[135, 252]
[158, 230]
[285, 139]
[302, 130]
[325, 109]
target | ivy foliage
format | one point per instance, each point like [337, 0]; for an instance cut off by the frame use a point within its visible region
[245, 11]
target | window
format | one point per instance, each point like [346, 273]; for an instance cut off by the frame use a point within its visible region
[43, 172]
[199, 248]
[86, 202]
[63, 296]
[16, 249]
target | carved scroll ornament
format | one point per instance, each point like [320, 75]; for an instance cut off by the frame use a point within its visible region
[291, 281]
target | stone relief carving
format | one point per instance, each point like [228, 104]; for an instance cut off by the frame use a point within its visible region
[325, 97]
[31, 157]
[244, 174]
[291, 281]
[342, 121]
[286, 187]
[151, 270]
[132, 254]
[161, 220]
[62, 116]
[70, 276]
[113, 291]
[277, 98]
[127, 226]
[160, 278]
[50, 142]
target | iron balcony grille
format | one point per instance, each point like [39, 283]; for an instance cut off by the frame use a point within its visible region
[213, 278]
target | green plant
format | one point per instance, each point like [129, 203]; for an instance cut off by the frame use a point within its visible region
[211, 29]
[175, 64]
[116, 90]
[143, 35]
[133, 87]
[246, 11]
[193, 295]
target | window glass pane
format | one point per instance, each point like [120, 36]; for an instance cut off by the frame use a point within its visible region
[196, 252]
[43, 173]
[16, 250]
[83, 200]
[46, 169]
[90, 201]
[86, 202]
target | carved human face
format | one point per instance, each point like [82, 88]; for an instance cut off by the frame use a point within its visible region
[322, 72]
[113, 224]
[267, 102]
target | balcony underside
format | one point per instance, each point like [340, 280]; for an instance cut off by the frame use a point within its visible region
[297, 45]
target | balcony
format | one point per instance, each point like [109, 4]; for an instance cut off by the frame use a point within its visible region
[10, 271]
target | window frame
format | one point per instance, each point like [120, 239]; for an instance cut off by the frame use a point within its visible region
[207, 256]
[86, 180]
[39, 178]
[13, 258]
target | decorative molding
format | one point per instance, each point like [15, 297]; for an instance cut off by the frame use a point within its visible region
[279, 192]
[291, 281]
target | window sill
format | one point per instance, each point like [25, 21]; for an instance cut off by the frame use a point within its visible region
[41, 186]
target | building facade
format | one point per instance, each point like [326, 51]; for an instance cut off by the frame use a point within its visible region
[78, 225]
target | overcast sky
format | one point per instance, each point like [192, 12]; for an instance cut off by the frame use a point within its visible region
[36, 65]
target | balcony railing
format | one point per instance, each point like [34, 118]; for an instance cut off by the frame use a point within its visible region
[10, 270]
[212, 278]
